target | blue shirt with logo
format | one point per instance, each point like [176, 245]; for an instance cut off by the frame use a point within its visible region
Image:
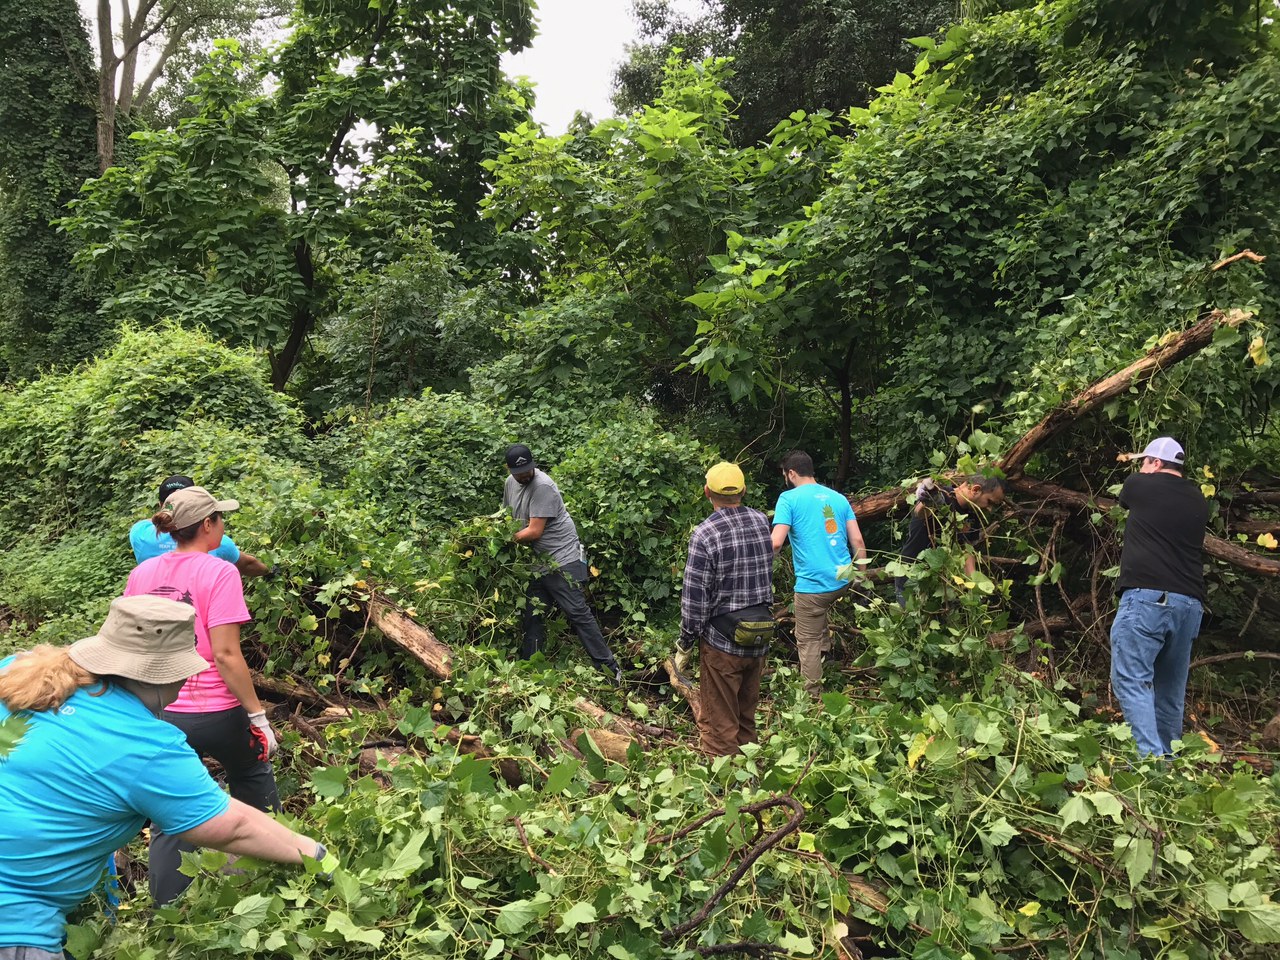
[818, 517]
[148, 543]
[79, 785]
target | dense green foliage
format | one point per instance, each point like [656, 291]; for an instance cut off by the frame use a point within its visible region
[47, 311]
[277, 199]
[806, 55]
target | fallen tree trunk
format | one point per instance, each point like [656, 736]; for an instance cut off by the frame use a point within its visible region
[399, 627]
[1178, 348]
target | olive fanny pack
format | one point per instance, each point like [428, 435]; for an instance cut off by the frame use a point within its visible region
[748, 626]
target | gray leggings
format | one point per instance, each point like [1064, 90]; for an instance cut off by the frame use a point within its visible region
[29, 953]
[223, 735]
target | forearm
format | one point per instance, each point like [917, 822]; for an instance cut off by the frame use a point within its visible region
[245, 831]
[970, 564]
[251, 566]
[235, 674]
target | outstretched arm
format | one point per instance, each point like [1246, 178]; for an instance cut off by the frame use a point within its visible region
[251, 566]
[245, 831]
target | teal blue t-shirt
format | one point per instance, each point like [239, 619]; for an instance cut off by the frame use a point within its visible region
[148, 543]
[79, 785]
[818, 517]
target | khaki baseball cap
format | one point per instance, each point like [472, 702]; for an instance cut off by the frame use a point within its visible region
[726, 479]
[145, 638]
[192, 504]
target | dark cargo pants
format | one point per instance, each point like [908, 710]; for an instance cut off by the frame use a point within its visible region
[563, 588]
[223, 735]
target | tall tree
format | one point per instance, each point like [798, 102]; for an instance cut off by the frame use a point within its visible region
[139, 40]
[381, 118]
[47, 313]
[805, 55]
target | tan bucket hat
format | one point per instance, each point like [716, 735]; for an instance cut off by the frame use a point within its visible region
[192, 504]
[144, 638]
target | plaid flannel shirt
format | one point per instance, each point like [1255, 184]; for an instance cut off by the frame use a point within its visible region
[730, 567]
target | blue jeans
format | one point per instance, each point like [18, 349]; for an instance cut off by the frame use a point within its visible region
[1150, 654]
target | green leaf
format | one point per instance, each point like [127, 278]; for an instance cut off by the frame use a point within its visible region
[1107, 805]
[1260, 922]
[252, 909]
[408, 859]
[495, 948]
[793, 943]
[330, 782]
[1136, 855]
[562, 775]
[999, 833]
[518, 914]
[1075, 810]
[339, 922]
[580, 913]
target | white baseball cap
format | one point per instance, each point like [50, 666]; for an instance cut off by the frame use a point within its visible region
[1163, 448]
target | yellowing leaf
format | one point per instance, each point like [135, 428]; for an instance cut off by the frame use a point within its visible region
[1029, 909]
[918, 746]
[1207, 472]
[468, 553]
[323, 659]
[361, 585]
[1258, 352]
[366, 563]
[1268, 540]
[595, 571]
[1208, 489]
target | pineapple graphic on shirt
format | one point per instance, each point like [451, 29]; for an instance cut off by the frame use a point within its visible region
[829, 519]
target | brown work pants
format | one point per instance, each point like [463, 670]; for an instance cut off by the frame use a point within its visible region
[729, 689]
[813, 636]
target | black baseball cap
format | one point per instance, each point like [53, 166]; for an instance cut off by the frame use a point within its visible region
[519, 458]
[173, 484]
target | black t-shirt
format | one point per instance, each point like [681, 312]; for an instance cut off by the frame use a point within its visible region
[1164, 536]
[926, 524]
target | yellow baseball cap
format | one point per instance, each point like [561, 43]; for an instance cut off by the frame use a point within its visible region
[726, 479]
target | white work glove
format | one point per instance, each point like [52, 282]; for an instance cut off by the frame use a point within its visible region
[263, 736]
[924, 486]
[681, 659]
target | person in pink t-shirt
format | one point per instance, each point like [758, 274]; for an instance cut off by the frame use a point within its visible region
[218, 709]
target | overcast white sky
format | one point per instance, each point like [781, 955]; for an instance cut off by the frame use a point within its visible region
[571, 62]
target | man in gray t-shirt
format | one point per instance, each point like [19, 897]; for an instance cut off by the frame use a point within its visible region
[533, 497]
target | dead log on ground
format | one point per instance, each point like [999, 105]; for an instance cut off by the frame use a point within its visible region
[470, 744]
[411, 635]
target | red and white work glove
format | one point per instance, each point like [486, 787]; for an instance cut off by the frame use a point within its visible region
[262, 736]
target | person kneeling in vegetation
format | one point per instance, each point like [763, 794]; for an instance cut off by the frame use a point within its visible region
[533, 497]
[725, 610]
[148, 542]
[218, 709]
[965, 504]
[95, 761]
